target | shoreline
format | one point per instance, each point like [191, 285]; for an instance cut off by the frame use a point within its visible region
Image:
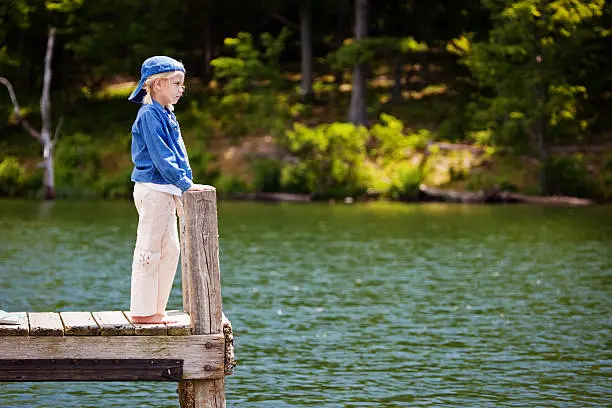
[425, 194]
[428, 194]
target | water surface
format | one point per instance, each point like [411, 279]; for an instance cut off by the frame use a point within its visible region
[367, 305]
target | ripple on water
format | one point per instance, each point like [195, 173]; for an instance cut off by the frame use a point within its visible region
[352, 306]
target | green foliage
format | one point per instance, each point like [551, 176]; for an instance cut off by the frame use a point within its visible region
[113, 186]
[78, 161]
[64, 6]
[341, 159]
[145, 29]
[371, 49]
[199, 159]
[85, 168]
[391, 143]
[248, 64]
[484, 181]
[406, 180]
[227, 185]
[522, 61]
[523, 64]
[569, 175]
[12, 14]
[606, 175]
[12, 176]
[457, 173]
[251, 79]
[331, 159]
[267, 175]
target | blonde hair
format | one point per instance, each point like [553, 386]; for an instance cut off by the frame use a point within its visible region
[148, 99]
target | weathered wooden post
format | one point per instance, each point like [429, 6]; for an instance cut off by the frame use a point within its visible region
[201, 288]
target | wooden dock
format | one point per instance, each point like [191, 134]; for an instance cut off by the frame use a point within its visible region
[196, 351]
[106, 346]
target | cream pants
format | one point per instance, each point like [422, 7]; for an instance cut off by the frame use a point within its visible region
[157, 250]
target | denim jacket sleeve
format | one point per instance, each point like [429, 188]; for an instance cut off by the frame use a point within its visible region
[163, 156]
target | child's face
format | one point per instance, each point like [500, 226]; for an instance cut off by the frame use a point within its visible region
[170, 89]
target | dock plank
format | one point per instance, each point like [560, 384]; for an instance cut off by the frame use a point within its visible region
[142, 329]
[79, 324]
[113, 323]
[203, 355]
[182, 326]
[21, 329]
[69, 369]
[45, 324]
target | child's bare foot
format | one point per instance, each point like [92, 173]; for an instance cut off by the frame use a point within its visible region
[153, 319]
[169, 319]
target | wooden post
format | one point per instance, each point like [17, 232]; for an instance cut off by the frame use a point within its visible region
[202, 281]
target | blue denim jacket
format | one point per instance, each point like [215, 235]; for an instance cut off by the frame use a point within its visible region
[158, 151]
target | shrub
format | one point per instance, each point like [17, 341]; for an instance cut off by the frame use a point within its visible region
[228, 185]
[77, 161]
[199, 160]
[296, 178]
[391, 143]
[12, 176]
[457, 173]
[331, 159]
[267, 175]
[482, 181]
[606, 176]
[568, 175]
[117, 186]
[406, 179]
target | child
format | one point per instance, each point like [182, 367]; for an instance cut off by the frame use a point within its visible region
[161, 174]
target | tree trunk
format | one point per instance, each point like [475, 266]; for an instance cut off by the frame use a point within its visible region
[357, 109]
[306, 45]
[45, 133]
[208, 49]
[341, 29]
[539, 125]
[495, 196]
[396, 92]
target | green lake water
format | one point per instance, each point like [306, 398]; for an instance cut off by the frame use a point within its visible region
[363, 305]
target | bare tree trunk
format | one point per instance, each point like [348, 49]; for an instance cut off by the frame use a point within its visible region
[306, 45]
[357, 109]
[44, 136]
[45, 133]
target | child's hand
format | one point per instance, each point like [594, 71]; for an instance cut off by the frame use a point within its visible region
[201, 187]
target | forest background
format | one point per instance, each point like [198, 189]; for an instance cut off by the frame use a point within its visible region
[329, 99]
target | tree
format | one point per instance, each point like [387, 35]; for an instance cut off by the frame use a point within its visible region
[44, 136]
[306, 47]
[523, 70]
[357, 108]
